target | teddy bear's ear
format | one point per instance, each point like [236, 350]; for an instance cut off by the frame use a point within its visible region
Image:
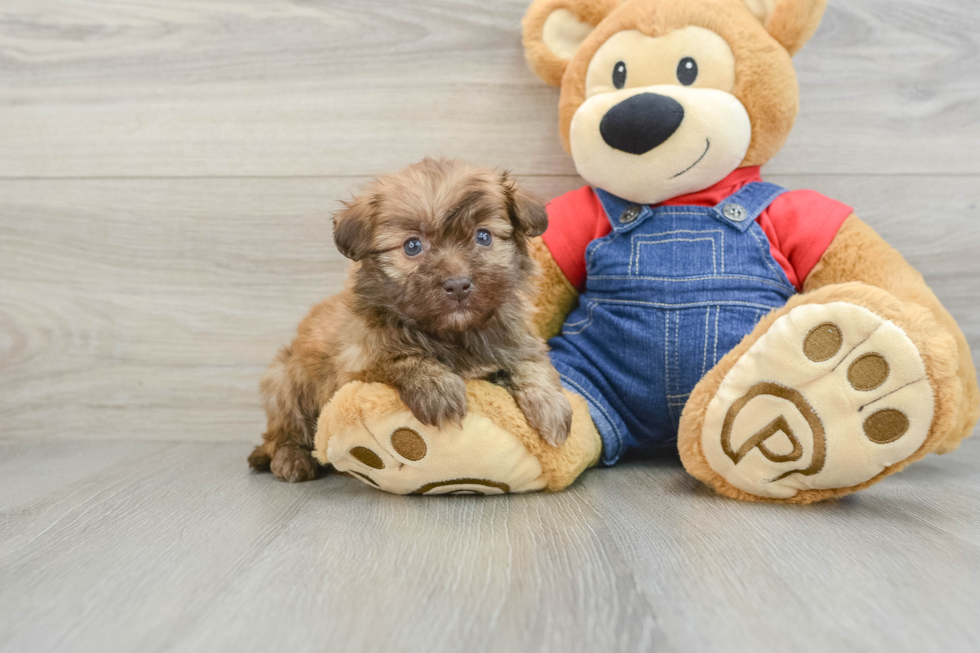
[791, 22]
[554, 30]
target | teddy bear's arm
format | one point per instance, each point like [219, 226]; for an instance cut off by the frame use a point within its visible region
[858, 253]
[555, 297]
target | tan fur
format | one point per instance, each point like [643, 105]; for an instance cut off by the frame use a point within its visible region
[935, 344]
[395, 322]
[765, 79]
[763, 35]
[792, 23]
[560, 465]
[542, 60]
[554, 296]
[859, 254]
[357, 403]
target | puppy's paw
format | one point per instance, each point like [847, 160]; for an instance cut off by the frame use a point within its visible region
[436, 400]
[259, 459]
[547, 411]
[293, 465]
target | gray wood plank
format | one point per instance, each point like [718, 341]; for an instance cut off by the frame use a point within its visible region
[122, 546]
[280, 88]
[149, 308]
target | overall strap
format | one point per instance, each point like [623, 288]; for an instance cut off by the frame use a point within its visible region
[623, 215]
[740, 209]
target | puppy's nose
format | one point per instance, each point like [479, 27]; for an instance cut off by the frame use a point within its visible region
[458, 288]
[640, 123]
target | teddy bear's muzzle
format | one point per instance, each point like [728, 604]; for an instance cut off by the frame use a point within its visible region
[641, 122]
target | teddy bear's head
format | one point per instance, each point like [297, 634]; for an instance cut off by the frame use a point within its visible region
[660, 98]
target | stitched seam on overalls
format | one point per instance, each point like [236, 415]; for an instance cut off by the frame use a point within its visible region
[704, 356]
[582, 321]
[595, 402]
[667, 357]
[638, 302]
[677, 348]
[680, 279]
[689, 231]
[586, 323]
[721, 232]
[715, 352]
[605, 241]
[666, 211]
[767, 257]
[636, 241]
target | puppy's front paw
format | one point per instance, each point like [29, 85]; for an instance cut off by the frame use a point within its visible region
[293, 465]
[547, 411]
[436, 401]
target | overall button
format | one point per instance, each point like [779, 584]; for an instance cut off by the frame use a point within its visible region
[631, 213]
[734, 212]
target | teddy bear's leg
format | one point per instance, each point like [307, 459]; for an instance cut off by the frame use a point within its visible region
[860, 254]
[828, 395]
[368, 433]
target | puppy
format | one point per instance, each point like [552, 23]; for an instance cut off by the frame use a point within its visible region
[439, 293]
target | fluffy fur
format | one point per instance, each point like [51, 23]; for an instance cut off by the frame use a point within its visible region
[358, 403]
[766, 82]
[859, 267]
[935, 345]
[555, 295]
[858, 253]
[396, 323]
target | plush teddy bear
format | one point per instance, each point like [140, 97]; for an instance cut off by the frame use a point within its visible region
[774, 339]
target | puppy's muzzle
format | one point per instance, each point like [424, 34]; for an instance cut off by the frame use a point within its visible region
[458, 288]
[641, 122]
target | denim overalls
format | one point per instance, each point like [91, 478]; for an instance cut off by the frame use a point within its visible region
[669, 292]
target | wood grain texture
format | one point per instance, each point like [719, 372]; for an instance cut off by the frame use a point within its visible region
[128, 546]
[149, 308]
[167, 174]
[284, 88]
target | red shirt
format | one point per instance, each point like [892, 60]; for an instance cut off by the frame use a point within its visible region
[800, 224]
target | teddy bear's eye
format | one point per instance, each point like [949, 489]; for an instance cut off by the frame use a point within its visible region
[619, 74]
[687, 71]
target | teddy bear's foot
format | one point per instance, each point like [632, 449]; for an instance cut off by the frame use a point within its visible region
[368, 433]
[829, 399]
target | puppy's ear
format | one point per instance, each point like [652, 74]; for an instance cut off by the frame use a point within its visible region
[554, 30]
[353, 228]
[526, 210]
[791, 22]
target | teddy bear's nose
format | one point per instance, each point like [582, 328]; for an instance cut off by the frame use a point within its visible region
[641, 122]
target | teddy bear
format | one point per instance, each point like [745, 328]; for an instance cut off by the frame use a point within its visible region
[770, 337]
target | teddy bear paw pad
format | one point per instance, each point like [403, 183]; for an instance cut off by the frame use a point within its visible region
[829, 397]
[397, 453]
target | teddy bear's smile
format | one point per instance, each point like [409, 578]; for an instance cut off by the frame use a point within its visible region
[707, 146]
[652, 143]
[653, 101]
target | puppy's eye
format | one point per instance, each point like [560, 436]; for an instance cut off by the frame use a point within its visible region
[483, 237]
[619, 74]
[687, 71]
[413, 247]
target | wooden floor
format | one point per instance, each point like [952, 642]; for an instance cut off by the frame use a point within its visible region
[167, 173]
[156, 546]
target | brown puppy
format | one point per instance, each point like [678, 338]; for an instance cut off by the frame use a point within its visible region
[439, 293]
